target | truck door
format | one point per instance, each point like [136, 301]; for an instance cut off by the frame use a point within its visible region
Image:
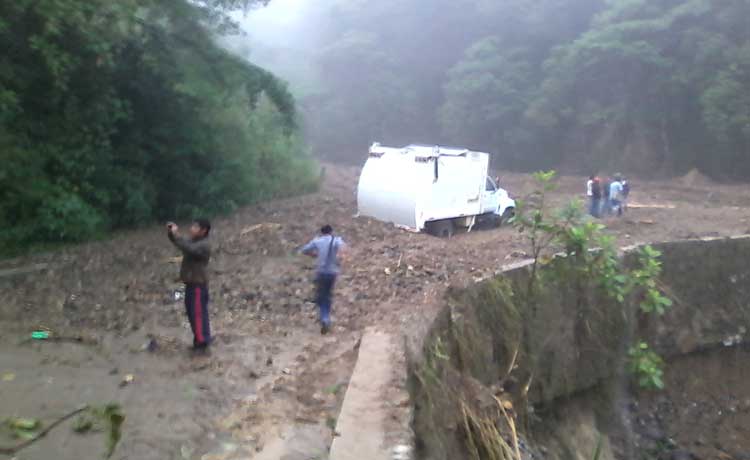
[489, 197]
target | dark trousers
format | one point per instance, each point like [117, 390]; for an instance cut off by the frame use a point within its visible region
[196, 305]
[596, 207]
[324, 286]
[616, 204]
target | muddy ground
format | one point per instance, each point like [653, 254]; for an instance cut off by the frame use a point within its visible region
[271, 379]
[703, 413]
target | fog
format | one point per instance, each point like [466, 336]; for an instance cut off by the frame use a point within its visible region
[277, 24]
[547, 84]
[269, 37]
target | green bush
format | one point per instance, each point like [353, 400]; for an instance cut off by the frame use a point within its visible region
[646, 366]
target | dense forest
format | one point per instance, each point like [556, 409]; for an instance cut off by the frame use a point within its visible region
[116, 113]
[654, 87]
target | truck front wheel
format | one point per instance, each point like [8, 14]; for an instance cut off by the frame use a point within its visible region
[508, 214]
[440, 228]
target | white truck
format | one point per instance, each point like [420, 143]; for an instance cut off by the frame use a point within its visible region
[430, 188]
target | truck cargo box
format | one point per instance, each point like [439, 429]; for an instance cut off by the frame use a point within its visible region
[418, 184]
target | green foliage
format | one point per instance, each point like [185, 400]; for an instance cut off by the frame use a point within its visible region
[488, 88]
[115, 114]
[645, 278]
[646, 366]
[23, 428]
[532, 215]
[532, 218]
[635, 76]
[331, 424]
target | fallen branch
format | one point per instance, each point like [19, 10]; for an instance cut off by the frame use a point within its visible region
[15, 449]
[650, 206]
[512, 364]
[264, 226]
[22, 270]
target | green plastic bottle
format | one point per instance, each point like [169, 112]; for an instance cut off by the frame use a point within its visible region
[40, 335]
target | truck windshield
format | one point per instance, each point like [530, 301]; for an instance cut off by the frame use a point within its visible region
[490, 186]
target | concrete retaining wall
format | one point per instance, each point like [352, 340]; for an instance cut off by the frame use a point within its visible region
[570, 340]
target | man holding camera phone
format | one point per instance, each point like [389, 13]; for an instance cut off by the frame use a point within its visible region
[196, 252]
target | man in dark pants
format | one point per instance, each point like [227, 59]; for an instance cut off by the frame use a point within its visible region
[196, 252]
[596, 197]
[327, 248]
[606, 203]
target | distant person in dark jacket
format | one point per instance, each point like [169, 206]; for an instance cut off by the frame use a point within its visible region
[606, 202]
[595, 195]
[196, 252]
[327, 249]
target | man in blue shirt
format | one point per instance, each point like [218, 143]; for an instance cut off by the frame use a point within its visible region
[327, 249]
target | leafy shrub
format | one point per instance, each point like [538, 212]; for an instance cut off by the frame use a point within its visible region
[647, 366]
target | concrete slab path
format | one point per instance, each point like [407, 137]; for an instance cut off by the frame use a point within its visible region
[361, 425]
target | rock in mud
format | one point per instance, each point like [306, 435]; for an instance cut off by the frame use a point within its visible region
[127, 380]
[402, 452]
[186, 452]
[226, 451]
[682, 455]
[654, 433]
[151, 345]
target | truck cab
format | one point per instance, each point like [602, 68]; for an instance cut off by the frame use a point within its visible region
[495, 200]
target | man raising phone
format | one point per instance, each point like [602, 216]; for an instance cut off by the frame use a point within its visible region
[196, 252]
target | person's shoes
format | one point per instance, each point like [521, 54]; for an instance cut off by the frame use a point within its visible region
[201, 349]
[325, 329]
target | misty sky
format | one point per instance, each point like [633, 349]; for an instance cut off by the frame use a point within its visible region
[278, 13]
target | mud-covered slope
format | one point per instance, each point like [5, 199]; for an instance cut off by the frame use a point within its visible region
[120, 292]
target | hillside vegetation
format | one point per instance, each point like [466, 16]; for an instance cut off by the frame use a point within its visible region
[654, 87]
[114, 114]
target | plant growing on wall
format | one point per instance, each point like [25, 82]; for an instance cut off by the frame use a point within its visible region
[589, 256]
[646, 366]
[645, 278]
[533, 218]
